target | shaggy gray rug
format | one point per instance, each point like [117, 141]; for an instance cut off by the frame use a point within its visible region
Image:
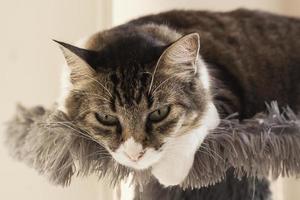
[53, 144]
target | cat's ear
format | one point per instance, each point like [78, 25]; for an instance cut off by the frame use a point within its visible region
[79, 61]
[181, 57]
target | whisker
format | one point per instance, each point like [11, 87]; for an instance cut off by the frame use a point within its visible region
[162, 83]
[99, 84]
[154, 72]
[91, 94]
[89, 109]
[99, 154]
[67, 125]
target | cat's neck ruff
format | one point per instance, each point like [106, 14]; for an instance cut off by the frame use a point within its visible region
[183, 155]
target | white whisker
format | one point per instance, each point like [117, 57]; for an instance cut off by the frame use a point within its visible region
[154, 72]
[91, 94]
[99, 84]
[167, 79]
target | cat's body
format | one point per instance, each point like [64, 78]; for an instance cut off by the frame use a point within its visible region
[257, 52]
[246, 58]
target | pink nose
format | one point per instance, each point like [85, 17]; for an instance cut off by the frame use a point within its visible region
[135, 157]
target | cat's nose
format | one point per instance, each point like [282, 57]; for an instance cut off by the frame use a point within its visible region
[135, 157]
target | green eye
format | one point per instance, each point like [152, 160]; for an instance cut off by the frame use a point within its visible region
[159, 114]
[107, 120]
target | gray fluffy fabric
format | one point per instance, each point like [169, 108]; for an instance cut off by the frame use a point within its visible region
[269, 143]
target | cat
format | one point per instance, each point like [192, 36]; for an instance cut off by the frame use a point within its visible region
[150, 90]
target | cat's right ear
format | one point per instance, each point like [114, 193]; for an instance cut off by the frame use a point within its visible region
[78, 60]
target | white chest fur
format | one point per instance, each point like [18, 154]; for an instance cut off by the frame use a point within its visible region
[178, 157]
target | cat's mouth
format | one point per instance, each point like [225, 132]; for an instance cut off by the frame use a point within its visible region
[140, 161]
[135, 157]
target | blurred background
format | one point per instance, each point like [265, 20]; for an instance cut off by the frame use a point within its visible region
[31, 65]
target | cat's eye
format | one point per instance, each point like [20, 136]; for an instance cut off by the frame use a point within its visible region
[159, 114]
[106, 119]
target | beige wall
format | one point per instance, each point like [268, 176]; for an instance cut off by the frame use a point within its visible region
[291, 7]
[30, 71]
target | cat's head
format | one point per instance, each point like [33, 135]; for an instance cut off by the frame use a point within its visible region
[136, 95]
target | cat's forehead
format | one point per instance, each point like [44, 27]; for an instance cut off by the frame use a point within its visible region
[130, 86]
[128, 63]
[129, 53]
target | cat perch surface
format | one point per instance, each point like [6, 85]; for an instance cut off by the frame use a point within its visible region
[269, 143]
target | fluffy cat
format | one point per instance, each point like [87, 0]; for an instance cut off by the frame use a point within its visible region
[149, 95]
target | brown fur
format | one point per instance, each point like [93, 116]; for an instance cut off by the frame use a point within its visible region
[258, 53]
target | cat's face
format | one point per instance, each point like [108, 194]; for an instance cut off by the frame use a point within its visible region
[137, 110]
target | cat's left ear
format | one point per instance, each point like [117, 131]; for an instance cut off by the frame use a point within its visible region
[181, 57]
[79, 60]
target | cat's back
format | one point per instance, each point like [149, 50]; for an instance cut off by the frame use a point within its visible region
[260, 51]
